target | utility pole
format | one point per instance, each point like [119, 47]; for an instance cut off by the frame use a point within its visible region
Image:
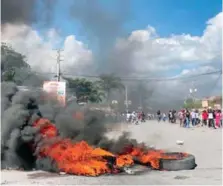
[58, 64]
[193, 91]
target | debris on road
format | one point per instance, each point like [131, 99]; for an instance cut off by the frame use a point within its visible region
[179, 142]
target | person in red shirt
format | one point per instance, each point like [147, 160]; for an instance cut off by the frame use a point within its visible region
[139, 116]
[204, 118]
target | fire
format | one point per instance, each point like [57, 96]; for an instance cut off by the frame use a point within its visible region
[152, 157]
[82, 159]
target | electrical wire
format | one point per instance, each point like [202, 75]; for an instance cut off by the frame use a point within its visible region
[215, 84]
[143, 78]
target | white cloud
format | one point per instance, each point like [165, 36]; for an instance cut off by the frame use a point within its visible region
[75, 51]
[206, 85]
[41, 53]
[156, 53]
[149, 52]
[195, 71]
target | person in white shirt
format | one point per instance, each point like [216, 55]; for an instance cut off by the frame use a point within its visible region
[133, 116]
[128, 116]
[164, 117]
[211, 118]
[196, 117]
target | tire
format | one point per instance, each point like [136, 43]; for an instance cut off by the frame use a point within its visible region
[187, 163]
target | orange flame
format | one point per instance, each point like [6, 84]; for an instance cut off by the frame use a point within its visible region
[82, 159]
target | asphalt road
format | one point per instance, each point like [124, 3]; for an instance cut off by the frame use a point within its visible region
[204, 143]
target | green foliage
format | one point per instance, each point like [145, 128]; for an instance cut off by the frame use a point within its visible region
[15, 68]
[85, 91]
[192, 104]
[110, 82]
[11, 62]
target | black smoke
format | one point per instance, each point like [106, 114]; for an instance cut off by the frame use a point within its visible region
[26, 11]
[103, 27]
[20, 109]
[13, 11]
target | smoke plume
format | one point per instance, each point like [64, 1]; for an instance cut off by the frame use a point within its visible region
[25, 12]
[103, 27]
[19, 111]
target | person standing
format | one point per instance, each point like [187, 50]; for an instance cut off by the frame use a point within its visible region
[134, 117]
[174, 116]
[187, 119]
[180, 115]
[159, 115]
[197, 120]
[217, 119]
[211, 118]
[164, 116]
[221, 117]
[128, 117]
[193, 117]
[139, 117]
[204, 118]
[143, 117]
[171, 116]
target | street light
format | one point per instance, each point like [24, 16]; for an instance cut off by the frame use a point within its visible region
[193, 90]
[192, 93]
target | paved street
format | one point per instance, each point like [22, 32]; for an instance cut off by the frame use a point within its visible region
[204, 143]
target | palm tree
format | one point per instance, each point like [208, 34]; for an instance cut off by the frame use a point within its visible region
[109, 82]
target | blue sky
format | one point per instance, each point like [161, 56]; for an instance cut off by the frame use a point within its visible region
[175, 16]
[166, 16]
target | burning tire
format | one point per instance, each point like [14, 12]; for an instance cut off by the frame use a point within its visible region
[185, 163]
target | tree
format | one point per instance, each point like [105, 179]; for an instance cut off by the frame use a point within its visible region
[109, 82]
[192, 104]
[11, 62]
[85, 90]
[15, 68]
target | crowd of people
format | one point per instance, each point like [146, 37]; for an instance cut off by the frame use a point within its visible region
[135, 117]
[211, 118]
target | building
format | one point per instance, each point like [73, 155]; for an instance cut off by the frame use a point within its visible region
[212, 101]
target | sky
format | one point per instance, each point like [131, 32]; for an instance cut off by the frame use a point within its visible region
[167, 16]
[156, 38]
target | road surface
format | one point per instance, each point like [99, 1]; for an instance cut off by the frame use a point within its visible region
[204, 143]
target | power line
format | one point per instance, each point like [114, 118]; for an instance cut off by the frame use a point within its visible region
[215, 84]
[145, 78]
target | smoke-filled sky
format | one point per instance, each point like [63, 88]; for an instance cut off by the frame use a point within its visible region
[127, 37]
